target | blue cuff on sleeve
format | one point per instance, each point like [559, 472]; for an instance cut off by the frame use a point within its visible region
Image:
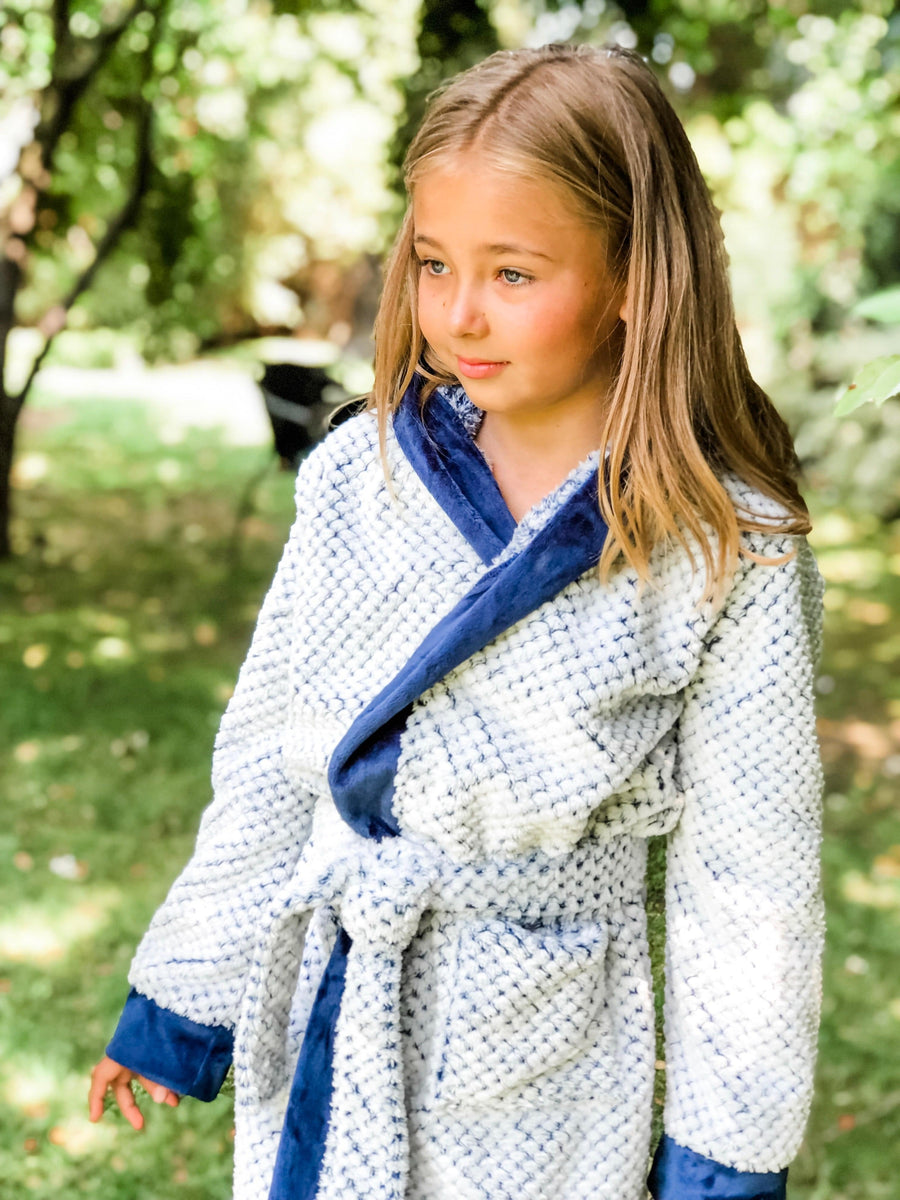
[189, 1058]
[681, 1174]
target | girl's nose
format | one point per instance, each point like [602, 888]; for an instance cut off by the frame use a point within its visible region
[465, 313]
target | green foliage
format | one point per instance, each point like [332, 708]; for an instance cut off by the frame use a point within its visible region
[883, 306]
[878, 381]
[851, 1148]
[267, 152]
[451, 38]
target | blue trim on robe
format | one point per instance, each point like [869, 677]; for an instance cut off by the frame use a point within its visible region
[682, 1174]
[442, 453]
[189, 1058]
[302, 1144]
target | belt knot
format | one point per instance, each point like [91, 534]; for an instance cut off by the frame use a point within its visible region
[388, 887]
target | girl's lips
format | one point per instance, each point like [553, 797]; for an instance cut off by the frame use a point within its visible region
[478, 368]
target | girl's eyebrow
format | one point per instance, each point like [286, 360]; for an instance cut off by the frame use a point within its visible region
[493, 248]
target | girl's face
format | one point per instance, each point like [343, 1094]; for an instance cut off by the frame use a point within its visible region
[515, 296]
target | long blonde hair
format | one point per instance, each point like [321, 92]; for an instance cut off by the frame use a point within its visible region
[685, 411]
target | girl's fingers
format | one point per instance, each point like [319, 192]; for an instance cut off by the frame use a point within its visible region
[102, 1076]
[128, 1105]
[110, 1076]
[158, 1092]
[95, 1099]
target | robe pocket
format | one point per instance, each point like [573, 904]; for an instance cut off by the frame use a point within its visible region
[525, 1007]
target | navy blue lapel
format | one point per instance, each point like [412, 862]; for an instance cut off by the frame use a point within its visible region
[442, 453]
[361, 773]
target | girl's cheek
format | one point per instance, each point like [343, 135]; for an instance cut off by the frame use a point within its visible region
[427, 310]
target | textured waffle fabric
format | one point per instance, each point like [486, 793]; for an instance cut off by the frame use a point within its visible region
[496, 1034]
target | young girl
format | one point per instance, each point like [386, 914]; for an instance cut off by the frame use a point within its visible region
[549, 596]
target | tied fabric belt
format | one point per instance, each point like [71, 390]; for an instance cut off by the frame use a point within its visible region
[379, 892]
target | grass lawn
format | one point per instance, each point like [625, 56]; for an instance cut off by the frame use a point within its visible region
[123, 620]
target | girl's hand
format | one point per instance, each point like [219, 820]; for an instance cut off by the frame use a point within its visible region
[109, 1075]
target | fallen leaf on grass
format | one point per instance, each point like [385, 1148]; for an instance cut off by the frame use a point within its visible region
[869, 741]
[76, 1136]
[67, 866]
[859, 889]
[60, 791]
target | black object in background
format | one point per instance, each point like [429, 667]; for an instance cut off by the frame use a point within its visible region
[303, 403]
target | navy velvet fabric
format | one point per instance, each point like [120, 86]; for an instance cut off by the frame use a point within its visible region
[190, 1059]
[441, 451]
[682, 1174]
[302, 1142]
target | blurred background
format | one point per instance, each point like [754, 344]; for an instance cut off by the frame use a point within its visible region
[190, 190]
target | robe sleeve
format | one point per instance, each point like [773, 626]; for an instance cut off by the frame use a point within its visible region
[743, 900]
[188, 975]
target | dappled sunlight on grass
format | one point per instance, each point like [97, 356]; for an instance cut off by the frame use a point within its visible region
[45, 933]
[870, 890]
[29, 1086]
[123, 620]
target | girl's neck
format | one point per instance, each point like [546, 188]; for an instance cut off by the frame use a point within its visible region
[530, 459]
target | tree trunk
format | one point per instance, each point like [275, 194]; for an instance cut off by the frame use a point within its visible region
[7, 445]
[10, 275]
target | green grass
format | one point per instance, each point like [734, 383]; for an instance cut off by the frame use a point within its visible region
[852, 1150]
[123, 620]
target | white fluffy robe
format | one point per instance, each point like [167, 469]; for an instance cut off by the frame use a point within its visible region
[528, 779]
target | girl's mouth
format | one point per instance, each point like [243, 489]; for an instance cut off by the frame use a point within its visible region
[478, 368]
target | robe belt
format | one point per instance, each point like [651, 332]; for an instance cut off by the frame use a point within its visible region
[379, 892]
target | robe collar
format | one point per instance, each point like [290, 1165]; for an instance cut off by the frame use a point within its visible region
[442, 452]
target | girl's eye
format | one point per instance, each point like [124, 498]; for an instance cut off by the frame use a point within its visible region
[513, 277]
[433, 266]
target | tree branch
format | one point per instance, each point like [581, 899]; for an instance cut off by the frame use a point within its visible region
[60, 35]
[68, 91]
[10, 276]
[55, 320]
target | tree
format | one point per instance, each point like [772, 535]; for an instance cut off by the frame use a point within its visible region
[185, 168]
[177, 165]
[451, 37]
[76, 59]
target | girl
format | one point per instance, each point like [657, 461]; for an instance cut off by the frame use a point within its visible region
[549, 596]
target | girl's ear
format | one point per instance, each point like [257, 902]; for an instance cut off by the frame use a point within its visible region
[625, 310]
